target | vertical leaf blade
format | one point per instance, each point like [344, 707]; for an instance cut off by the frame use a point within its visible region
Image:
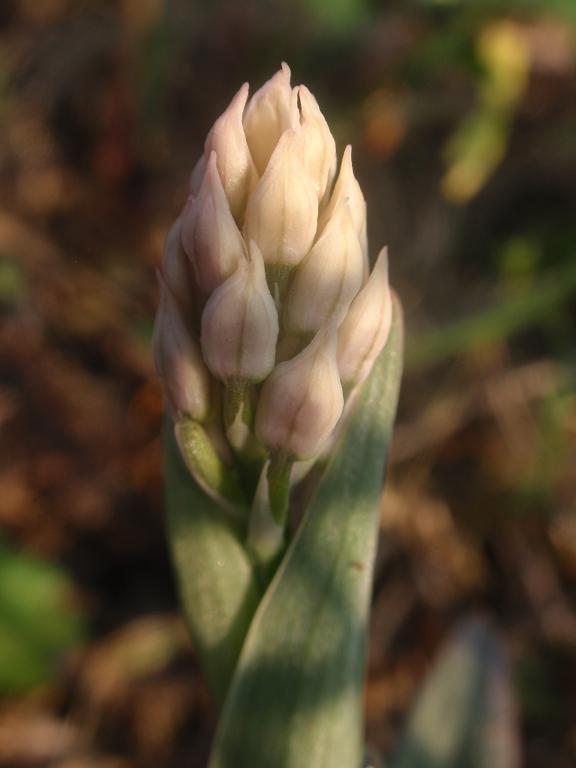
[216, 579]
[464, 716]
[296, 697]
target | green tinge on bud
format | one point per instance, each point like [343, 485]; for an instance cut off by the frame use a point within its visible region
[240, 324]
[318, 145]
[282, 212]
[328, 278]
[347, 187]
[365, 329]
[302, 400]
[209, 233]
[178, 361]
[228, 140]
[268, 116]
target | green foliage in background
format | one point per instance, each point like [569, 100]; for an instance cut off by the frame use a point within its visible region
[464, 716]
[38, 620]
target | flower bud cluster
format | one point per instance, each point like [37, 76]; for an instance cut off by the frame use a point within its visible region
[267, 303]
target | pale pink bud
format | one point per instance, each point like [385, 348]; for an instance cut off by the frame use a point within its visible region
[268, 116]
[302, 400]
[347, 187]
[365, 329]
[175, 267]
[197, 176]
[328, 278]
[240, 324]
[178, 361]
[317, 143]
[209, 233]
[235, 163]
[282, 212]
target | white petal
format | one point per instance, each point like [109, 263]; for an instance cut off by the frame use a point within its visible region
[268, 116]
[318, 145]
[365, 329]
[302, 400]
[328, 278]
[240, 324]
[281, 215]
[347, 187]
[235, 163]
[209, 233]
[178, 361]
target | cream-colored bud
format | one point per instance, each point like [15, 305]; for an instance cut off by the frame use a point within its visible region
[235, 163]
[347, 186]
[302, 400]
[268, 116]
[281, 214]
[209, 233]
[240, 324]
[178, 361]
[318, 145]
[328, 278]
[365, 329]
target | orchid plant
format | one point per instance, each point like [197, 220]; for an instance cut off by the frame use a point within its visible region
[279, 347]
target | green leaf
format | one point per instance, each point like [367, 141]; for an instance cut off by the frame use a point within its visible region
[38, 620]
[524, 309]
[216, 579]
[465, 714]
[296, 697]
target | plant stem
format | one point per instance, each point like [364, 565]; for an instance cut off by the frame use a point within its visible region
[279, 471]
[237, 411]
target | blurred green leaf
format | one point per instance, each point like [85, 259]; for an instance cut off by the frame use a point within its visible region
[528, 306]
[38, 620]
[296, 697]
[564, 9]
[337, 14]
[12, 282]
[519, 257]
[465, 714]
[480, 142]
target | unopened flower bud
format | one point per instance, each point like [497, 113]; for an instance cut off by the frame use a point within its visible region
[228, 140]
[365, 329]
[175, 267]
[240, 324]
[302, 400]
[178, 361]
[281, 214]
[197, 176]
[209, 233]
[268, 255]
[268, 116]
[347, 187]
[328, 278]
[318, 146]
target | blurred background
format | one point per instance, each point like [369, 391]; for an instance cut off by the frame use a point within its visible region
[462, 114]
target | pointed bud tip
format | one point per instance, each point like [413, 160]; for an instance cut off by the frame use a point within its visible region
[177, 360]
[240, 324]
[302, 400]
[365, 329]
